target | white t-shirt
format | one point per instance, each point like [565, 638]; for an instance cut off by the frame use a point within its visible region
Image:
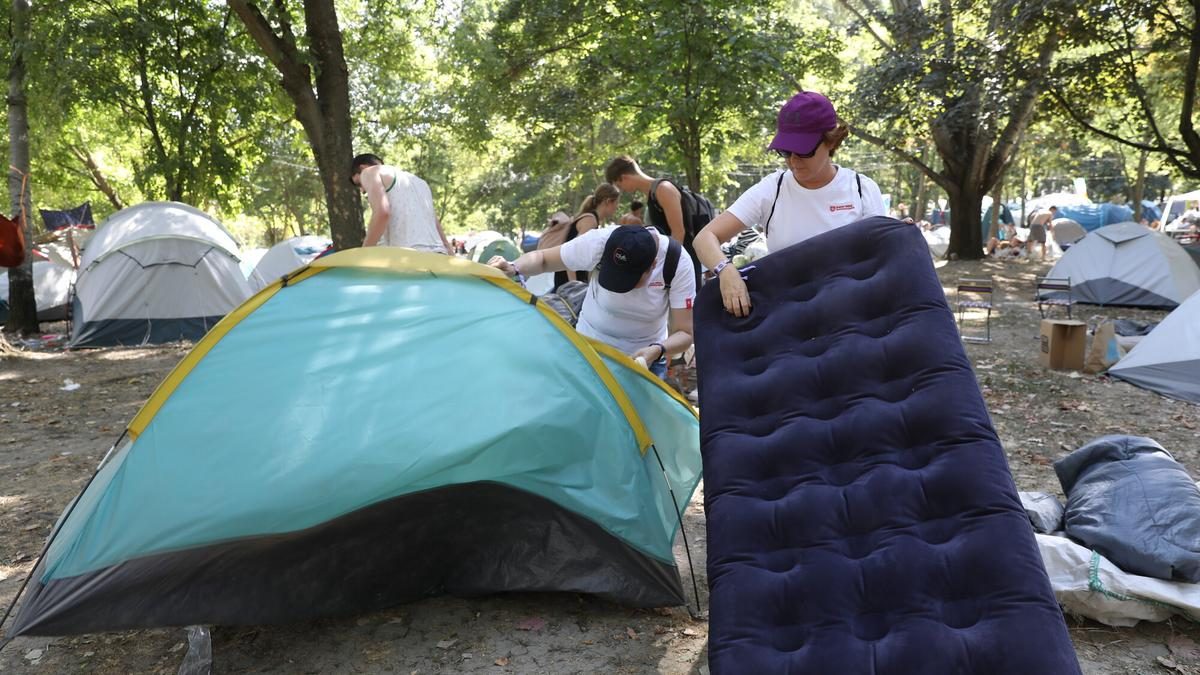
[802, 213]
[412, 223]
[633, 320]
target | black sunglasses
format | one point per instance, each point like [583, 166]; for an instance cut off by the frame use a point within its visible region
[788, 154]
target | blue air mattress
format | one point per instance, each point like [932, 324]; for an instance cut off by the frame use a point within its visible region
[861, 514]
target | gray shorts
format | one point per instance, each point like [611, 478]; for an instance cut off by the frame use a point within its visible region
[1037, 233]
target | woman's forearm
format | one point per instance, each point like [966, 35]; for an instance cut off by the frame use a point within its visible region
[708, 249]
[708, 242]
[531, 264]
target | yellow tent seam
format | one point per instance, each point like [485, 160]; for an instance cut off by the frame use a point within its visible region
[625, 360]
[407, 261]
[587, 349]
[204, 346]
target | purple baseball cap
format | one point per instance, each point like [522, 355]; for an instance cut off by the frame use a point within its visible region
[803, 121]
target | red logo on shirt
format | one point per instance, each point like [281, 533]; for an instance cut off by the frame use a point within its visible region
[834, 208]
[689, 303]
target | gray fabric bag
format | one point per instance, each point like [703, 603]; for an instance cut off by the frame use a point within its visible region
[1129, 500]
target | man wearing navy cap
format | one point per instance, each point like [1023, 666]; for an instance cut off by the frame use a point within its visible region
[630, 305]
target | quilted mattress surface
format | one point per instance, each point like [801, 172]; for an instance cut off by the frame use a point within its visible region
[861, 514]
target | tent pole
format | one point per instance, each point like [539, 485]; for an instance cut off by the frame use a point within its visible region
[687, 549]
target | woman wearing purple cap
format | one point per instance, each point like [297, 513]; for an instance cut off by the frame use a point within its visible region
[809, 197]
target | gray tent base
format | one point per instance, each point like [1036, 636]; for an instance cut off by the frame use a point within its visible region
[1180, 380]
[464, 540]
[138, 332]
[1110, 291]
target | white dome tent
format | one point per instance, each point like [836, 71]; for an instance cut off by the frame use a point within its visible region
[51, 289]
[1130, 265]
[286, 256]
[155, 272]
[1168, 359]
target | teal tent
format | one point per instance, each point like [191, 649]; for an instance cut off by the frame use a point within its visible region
[499, 246]
[379, 426]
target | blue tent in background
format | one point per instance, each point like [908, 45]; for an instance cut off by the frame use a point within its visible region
[1006, 218]
[529, 242]
[381, 426]
[1150, 210]
[1096, 216]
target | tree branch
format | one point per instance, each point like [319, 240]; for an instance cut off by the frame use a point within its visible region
[1022, 111]
[906, 156]
[1186, 126]
[867, 24]
[1074, 115]
[282, 52]
[95, 175]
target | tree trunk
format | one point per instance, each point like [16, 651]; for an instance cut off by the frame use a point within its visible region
[997, 206]
[323, 110]
[1139, 186]
[342, 199]
[918, 207]
[966, 226]
[692, 151]
[22, 303]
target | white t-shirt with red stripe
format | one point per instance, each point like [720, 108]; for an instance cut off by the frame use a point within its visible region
[802, 213]
[633, 320]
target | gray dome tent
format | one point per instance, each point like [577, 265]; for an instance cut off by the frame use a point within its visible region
[1168, 359]
[1128, 264]
[1067, 232]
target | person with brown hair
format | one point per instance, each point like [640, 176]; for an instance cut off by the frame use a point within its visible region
[634, 216]
[666, 207]
[595, 209]
[665, 210]
[812, 195]
[402, 212]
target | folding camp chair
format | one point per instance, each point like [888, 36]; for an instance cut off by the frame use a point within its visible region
[974, 293]
[1058, 286]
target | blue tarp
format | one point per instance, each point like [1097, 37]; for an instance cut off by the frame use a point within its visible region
[1096, 216]
[79, 216]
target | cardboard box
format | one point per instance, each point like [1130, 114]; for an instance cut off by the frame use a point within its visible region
[1061, 346]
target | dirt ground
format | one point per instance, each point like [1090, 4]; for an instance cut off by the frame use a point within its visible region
[51, 440]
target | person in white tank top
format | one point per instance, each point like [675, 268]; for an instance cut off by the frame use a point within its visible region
[402, 211]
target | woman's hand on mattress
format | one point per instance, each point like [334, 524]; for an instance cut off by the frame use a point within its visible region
[734, 293]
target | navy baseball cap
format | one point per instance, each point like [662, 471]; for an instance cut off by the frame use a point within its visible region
[629, 252]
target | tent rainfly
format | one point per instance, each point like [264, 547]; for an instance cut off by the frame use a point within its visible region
[1128, 264]
[155, 272]
[392, 425]
[287, 256]
[51, 290]
[1168, 359]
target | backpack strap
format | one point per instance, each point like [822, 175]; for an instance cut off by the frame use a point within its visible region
[861, 202]
[653, 206]
[778, 185]
[671, 265]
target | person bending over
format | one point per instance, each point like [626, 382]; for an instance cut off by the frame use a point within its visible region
[630, 305]
[402, 211]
